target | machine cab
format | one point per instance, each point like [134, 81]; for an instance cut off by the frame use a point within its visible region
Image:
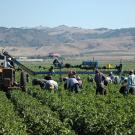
[7, 74]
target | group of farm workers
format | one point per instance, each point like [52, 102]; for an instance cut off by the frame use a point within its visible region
[71, 83]
[128, 84]
[74, 83]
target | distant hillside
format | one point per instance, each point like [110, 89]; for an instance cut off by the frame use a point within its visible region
[68, 41]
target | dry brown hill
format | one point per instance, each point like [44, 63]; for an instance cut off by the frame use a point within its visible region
[69, 41]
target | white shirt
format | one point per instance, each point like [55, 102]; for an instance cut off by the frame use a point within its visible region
[131, 81]
[71, 82]
[53, 83]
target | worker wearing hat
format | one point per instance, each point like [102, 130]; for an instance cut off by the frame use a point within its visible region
[72, 82]
[80, 82]
[111, 76]
[100, 85]
[71, 73]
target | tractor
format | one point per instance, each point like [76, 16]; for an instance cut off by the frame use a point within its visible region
[7, 75]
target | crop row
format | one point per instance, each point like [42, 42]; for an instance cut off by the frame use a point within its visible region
[88, 114]
[10, 122]
[39, 118]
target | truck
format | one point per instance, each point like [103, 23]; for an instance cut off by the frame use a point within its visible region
[89, 65]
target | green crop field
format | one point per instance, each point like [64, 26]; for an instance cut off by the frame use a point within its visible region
[41, 112]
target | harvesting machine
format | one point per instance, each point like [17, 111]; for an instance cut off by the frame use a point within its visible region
[7, 73]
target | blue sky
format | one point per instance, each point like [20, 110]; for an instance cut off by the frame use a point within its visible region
[80, 13]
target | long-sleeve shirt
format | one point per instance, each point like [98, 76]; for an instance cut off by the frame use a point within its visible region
[99, 78]
[131, 81]
[53, 84]
[71, 82]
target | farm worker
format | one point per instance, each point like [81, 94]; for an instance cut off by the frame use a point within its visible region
[50, 84]
[72, 83]
[40, 82]
[117, 80]
[131, 82]
[23, 80]
[111, 76]
[108, 79]
[71, 73]
[79, 81]
[90, 79]
[124, 88]
[10, 63]
[100, 82]
[65, 82]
